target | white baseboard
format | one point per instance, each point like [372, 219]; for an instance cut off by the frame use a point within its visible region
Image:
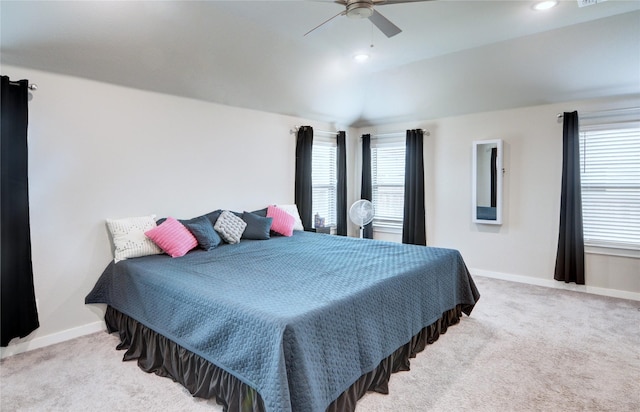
[550, 283]
[24, 345]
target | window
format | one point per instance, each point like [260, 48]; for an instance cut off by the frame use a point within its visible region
[610, 178]
[324, 180]
[387, 181]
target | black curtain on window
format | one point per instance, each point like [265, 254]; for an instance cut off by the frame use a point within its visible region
[303, 186]
[366, 191]
[570, 257]
[341, 198]
[19, 315]
[413, 222]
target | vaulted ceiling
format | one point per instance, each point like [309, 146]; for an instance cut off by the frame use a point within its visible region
[452, 57]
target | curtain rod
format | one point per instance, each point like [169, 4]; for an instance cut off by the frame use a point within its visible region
[390, 134]
[612, 112]
[295, 130]
[397, 134]
[31, 86]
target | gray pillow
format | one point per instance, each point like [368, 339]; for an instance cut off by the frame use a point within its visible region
[203, 231]
[230, 227]
[260, 212]
[213, 216]
[258, 227]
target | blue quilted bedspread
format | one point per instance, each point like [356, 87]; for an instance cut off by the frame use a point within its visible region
[299, 318]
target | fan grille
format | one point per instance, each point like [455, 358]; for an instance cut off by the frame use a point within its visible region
[361, 212]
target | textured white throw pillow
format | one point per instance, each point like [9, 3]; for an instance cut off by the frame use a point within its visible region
[293, 211]
[230, 227]
[129, 238]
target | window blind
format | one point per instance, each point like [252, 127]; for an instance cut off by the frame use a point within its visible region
[324, 179]
[610, 180]
[387, 179]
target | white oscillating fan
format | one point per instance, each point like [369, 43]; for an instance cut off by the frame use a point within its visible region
[361, 213]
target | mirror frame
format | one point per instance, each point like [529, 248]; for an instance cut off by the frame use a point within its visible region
[474, 182]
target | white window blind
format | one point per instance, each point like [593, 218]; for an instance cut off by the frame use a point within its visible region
[387, 180]
[324, 179]
[610, 178]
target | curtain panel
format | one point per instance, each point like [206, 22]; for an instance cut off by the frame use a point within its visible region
[570, 255]
[366, 191]
[413, 223]
[19, 315]
[341, 198]
[303, 186]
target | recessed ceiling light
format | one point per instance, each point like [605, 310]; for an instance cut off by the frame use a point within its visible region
[545, 5]
[361, 57]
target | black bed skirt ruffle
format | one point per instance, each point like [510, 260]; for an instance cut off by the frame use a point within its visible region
[155, 353]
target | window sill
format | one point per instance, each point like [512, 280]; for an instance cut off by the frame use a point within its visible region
[387, 229]
[611, 251]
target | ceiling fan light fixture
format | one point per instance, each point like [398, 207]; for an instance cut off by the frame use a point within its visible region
[361, 57]
[360, 9]
[545, 5]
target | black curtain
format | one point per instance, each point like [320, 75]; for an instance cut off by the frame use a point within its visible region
[570, 257]
[341, 206]
[366, 191]
[413, 222]
[303, 186]
[19, 315]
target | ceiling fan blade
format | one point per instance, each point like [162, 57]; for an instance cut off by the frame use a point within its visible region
[383, 2]
[385, 26]
[326, 21]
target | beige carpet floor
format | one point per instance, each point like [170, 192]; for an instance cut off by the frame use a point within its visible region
[524, 348]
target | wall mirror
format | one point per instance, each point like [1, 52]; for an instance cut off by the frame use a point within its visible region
[487, 182]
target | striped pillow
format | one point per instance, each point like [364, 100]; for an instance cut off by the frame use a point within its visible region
[129, 239]
[293, 211]
[172, 237]
[283, 222]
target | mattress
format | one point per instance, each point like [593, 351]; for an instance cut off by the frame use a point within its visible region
[300, 318]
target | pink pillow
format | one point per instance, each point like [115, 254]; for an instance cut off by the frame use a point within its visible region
[172, 237]
[282, 221]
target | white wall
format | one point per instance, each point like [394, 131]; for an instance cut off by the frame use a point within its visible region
[524, 246]
[102, 151]
[99, 150]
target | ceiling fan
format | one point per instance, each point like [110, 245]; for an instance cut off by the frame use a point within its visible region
[364, 9]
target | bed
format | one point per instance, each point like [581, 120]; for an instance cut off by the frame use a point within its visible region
[309, 322]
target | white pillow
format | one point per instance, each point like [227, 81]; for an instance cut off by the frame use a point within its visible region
[129, 238]
[293, 211]
[230, 227]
